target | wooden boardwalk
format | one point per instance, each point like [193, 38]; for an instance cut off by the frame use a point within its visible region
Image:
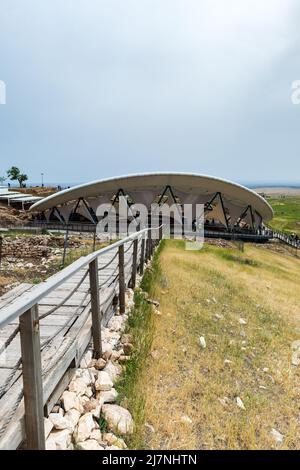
[65, 332]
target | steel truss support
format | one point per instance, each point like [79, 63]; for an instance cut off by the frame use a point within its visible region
[243, 215]
[208, 207]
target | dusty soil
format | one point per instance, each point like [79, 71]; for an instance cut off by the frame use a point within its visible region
[11, 216]
[33, 258]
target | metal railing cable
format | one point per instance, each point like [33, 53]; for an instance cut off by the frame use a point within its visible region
[9, 339]
[83, 310]
[110, 276]
[52, 310]
[108, 263]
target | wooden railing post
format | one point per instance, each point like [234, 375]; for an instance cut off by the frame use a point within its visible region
[134, 263]
[95, 308]
[149, 243]
[160, 233]
[142, 260]
[32, 379]
[121, 280]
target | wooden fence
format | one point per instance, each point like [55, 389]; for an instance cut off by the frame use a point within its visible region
[41, 373]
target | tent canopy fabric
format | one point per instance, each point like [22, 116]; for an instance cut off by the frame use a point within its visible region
[143, 188]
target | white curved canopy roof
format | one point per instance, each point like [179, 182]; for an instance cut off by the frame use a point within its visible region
[181, 183]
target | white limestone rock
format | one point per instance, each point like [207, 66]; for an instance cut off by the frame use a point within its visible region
[70, 400]
[202, 342]
[186, 419]
[72, 417]
[62, 439]
[113, 370]
[118, 419]
[103, 382]
[106, 351]
[113, 440]
[87, 375]
[277, 436]
[89, 444]
[116, 323]
[96, 435]
[59, 422]
[100, 363]
[86, 425]
[109, 396]
[240, 403]
[78, 386]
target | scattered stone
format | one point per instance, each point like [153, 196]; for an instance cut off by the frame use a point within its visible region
[153, 302]
[127, 338]
[186, 419]
[242, 321]
[96, 434]
[89, 444]
[78, 386]
[227, 362]
[116, 354]
[240, 403]
[202, 342]
[61, 439]
[87, 375]
[72, 417]
[103, 382]
[118, 419]
[218, 316]
[70, 400]
[106, 351]
[277, 436]
[127, 348]
[109, 396]
[90, 405]
[124, 358]
[224, 401]
[113, 370]
[116, 323]
[113, 440]
[150, 427]
[155, 354]
[58, 421]
[86, 425]
[100, 364]
[295, 358]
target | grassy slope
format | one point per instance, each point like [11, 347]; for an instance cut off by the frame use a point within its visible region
[287, 213]
[209, 291]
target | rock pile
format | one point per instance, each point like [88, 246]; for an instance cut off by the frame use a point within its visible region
[87, 416]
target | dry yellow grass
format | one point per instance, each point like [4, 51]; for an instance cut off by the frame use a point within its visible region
[208, 292]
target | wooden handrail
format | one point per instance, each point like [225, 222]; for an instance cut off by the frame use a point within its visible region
[28, 300]
[26, 308]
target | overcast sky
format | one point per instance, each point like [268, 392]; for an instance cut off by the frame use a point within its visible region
[99, 88]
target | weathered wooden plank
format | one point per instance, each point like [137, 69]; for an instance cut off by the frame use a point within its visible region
[13, 294]
[58, 391]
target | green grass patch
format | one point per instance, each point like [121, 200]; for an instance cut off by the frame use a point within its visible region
[286, 214]
[141, 326]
